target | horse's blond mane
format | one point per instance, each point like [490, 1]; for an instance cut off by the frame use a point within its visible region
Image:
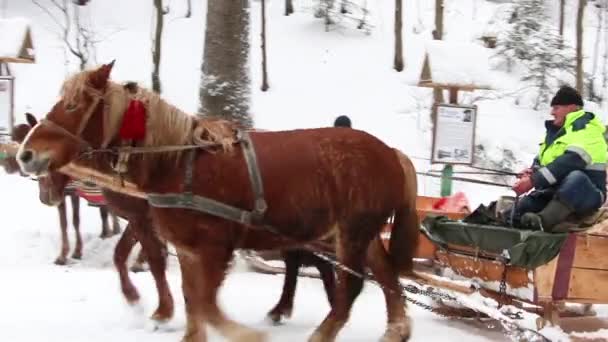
[166, 124]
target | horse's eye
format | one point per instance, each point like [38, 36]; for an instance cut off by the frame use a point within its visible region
[70, 107]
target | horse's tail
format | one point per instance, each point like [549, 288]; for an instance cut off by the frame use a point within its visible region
[405, 232]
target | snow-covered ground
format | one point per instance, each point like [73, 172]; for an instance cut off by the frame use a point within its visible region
[314, 77]
[82, 301]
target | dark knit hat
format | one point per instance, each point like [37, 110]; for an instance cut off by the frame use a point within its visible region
[342, 121]
[567, 95]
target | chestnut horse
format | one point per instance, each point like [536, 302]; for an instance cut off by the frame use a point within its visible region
[316, 183]
[135, 210]
[11, 166]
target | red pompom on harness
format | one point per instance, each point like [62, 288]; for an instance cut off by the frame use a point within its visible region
[134, 122]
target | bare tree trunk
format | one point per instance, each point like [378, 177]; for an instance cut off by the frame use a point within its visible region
[438, 32]
[288, 7]
[562, 6]
[264, 58]
[157, 46]
[189, 9]
[605, 56]
[579, 45]
[398, 62]
[225, 83]
[596, 54]
[78, 37]
[438, 35]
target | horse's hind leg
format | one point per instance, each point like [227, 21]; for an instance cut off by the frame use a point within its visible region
[398, 325]
[350, 253]
[213, 262]
[121, 254]
[65, 242]
[285, 305]
[77, 254]
[326, 270]
[140, 262]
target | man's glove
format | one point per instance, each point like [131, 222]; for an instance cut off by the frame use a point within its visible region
[523, 185]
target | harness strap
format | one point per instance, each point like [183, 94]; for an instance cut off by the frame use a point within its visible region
[199, 203]
[84, 144]
[188, 200]
[260, 205]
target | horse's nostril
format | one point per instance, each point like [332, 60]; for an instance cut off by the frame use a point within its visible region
[26, 156]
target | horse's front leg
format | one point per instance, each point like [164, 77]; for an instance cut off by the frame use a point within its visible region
[213, 262]
[195, 321]
[76, 223]
[65, 242]
[105, 227]
[115, 224]
[121, 254]
[155, 251]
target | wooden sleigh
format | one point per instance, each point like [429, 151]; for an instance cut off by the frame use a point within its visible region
[577, 274]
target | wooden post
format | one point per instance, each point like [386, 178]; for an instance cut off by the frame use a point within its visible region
[453, 95]
[448, 169]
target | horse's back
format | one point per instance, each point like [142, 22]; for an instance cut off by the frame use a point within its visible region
[330, 168]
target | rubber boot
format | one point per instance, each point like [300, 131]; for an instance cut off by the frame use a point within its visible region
[555, 212]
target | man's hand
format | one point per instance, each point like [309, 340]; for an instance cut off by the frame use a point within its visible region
[523, 185]
[527, 172]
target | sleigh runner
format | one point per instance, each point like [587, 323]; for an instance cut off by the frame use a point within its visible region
[534, 271]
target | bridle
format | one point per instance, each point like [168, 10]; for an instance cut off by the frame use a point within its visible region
[85, 146]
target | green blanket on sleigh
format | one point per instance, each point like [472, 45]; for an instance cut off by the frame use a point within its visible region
[524, 248]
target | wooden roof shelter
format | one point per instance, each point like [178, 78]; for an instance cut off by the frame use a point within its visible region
[16, 44]
[455, 66]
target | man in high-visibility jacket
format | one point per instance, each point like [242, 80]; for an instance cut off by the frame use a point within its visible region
[569, 173]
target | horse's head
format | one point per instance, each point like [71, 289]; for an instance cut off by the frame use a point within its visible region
[18, 134]
[74, 124]
[52, 186]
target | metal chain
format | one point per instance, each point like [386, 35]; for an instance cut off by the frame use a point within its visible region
[513, 330]
[502, 288]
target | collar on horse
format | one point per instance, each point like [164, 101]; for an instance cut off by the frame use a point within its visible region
[188, 200]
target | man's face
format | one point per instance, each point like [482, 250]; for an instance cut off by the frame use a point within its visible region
[559, 113]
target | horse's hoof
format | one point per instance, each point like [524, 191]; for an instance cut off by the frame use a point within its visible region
[105, 235]
[397, 332]
[161, 317]
[138, 268]
[316, 337]
[276, 316]
[251, 335]
[131, 295]
[77, 255]
[61, 261]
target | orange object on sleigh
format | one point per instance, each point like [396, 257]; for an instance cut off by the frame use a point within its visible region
[455, 207]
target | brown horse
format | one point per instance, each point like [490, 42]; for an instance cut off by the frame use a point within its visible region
[135, 210]
[317, 183]
[11, 166]
[140, 228]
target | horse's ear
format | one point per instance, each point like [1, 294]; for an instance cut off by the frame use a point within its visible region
[31, 119]
[100, 77]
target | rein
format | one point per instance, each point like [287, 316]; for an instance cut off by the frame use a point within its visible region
[152, 149]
